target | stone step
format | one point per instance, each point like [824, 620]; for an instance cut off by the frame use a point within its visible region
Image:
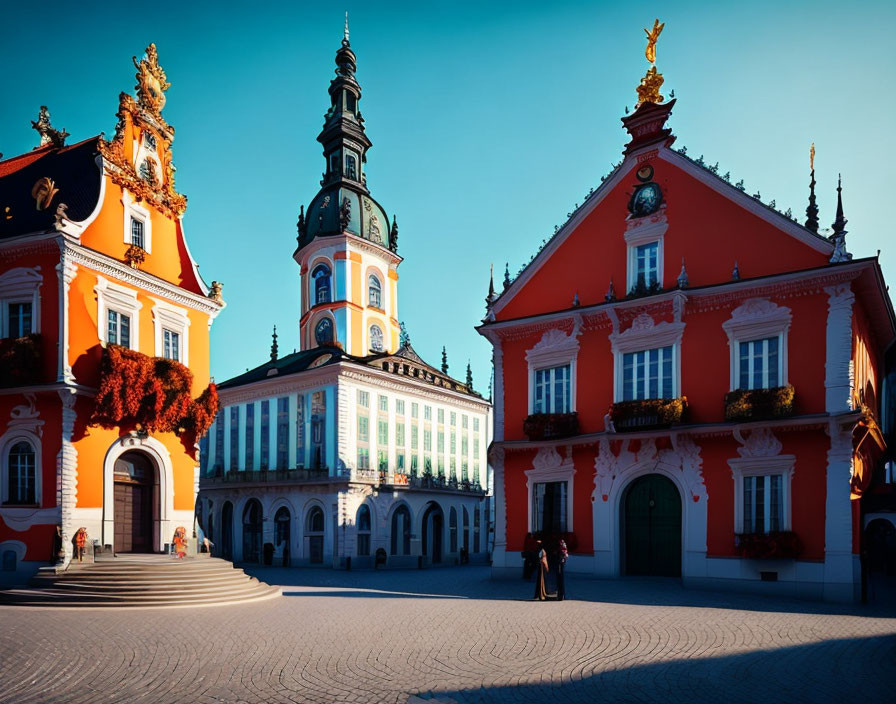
[153, 580]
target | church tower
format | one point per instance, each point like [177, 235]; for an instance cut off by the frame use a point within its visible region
[347, 253]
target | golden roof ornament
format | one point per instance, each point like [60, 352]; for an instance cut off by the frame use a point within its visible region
[812, 157]
[48, 135]
[649, 88]
[151, 81]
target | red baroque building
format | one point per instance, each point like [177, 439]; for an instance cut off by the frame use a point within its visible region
[689, 382]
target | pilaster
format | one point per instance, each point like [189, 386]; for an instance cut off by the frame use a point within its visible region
[841, 578]
[67, 473]
[66, 269]
[838, 379]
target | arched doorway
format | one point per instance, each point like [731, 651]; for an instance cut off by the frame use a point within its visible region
[433, 526]
[252, 531]
[136, 516]
[314, 530]
[282, 521]
[227, 531]
[401, 531]
[651, 527]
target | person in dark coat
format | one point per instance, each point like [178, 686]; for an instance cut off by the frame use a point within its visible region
[541, 593]
[562, 556]
[530, 549]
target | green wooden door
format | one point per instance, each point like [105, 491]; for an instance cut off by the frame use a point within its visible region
[652, 527]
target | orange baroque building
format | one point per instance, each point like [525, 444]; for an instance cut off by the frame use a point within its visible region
[690, 383]
[104, 316]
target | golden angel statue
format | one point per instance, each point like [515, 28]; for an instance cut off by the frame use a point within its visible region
[652, 36]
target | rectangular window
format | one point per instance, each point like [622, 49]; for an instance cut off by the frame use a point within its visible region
[382, 460]
[475, 472]
[399, 434]
[300, 431]
[549, 509]
[119, 331]
[137, 237]
[414, 465]
[265, 435]
[453, 418]
[552, 390]
[464, 421]
[441, 415]
[476, 447]
[363, 429]
[759, 364]
[363, 458]
[415, 410]
[647, 374]
[647, 264]
[364, 399]
[283, 433]
[382, 433]
[475, 425]
[427, 440]
[19, 319]
[384, 403]
[170, 345]
[414, 436]
[440, 442]
[452, 464]
[427, 413]
[763, 504]
[250, 437]
[464, 445]
[234, 438]
[441, 465]
[399, 462]
[399, 408]
[219, 441]
[464, 471]
[453, 442]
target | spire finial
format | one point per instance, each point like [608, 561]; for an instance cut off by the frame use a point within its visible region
[507, 281]
[274, 349]
[444, 360]
[735, 273]
[683, 276]
[48, 135]
[345, 38]
[490, 298]
[838, 239]
[812, 209]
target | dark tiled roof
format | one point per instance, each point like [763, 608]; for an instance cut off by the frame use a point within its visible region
[72, 169]
[290, 364]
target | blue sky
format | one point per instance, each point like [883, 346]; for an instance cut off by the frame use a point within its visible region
[489, 122]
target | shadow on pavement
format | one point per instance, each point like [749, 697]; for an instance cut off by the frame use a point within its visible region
[475, 582]
[817, 672]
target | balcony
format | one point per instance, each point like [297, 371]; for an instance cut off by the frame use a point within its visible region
[648, 414]
[551, 426]
[425, 482]
[300, 475]
[20, 361]
[759, 404]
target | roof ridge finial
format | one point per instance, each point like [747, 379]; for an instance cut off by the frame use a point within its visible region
[345, 37]
[838, 238]
[274, 347]
[812, 209]
[48, 135]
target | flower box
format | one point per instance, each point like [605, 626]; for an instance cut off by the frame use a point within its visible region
[547, 426]
[779, 545]
[20, 361]
[648, 413]
[759, 404]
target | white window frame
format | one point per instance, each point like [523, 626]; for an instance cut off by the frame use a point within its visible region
[548, 466]
[646, 379]
[757, 319]
[12, 438]
[20, 285]
[133, 210]
[761, 467]
[645, 334]
[554, 349]
[641, 233]
[165, 315]
[111, 296]
[548, 394]
[370, 278]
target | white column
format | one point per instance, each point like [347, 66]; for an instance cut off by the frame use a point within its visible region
[841, 572]
[67, 271]
[67, 476]
[498, 362]
[499, 557]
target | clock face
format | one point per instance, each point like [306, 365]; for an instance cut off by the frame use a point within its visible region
[647, 200]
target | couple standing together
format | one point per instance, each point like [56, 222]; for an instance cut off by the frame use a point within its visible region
[543, 570]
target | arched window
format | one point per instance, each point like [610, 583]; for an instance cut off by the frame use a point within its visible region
[281, 526]
[452, 529]
[364, 530]
[316, 520]
[21, 475]
[466, 539]
[374, 292]
[476, 529]
[376, 338]
[321, 277]
[148, 171]
[323, 332]
[401, 531]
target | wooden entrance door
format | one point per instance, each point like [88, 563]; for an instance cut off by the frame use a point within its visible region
[652, 527]
[136, 504]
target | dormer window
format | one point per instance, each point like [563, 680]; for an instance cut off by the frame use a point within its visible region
[137, 233]
[149, 140]
[351, 103]
[323, 332]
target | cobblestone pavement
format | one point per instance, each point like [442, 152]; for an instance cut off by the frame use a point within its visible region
[453, 635]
